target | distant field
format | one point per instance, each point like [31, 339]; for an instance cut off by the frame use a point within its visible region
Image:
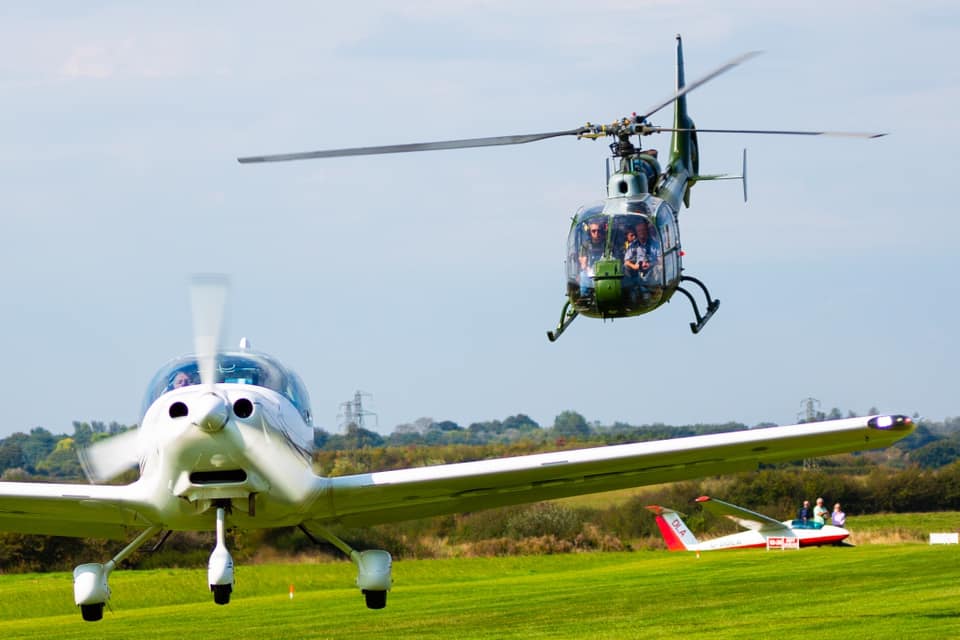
[921, 522]
[606, 499]
[872, 591]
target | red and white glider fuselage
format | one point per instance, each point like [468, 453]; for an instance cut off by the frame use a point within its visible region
[760, 528]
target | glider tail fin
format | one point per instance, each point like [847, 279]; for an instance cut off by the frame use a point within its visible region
[675, 532]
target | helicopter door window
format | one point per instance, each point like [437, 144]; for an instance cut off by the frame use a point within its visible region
[670, 253]
[592, 234]
[639, 248]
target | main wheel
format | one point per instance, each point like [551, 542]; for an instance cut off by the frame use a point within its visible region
[92, 612]
[375, 599]
[221, 593]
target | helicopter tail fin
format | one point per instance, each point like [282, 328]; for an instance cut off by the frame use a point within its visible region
[683, 145]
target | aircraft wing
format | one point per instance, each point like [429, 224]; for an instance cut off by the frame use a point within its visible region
[372, 498]
[74, 510]
[743, 517]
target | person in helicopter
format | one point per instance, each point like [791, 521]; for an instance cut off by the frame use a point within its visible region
[591, 250]
[634, 257]
[647, 254]
[640, 262]
[634, 262]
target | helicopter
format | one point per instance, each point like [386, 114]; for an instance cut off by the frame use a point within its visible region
[623, 255]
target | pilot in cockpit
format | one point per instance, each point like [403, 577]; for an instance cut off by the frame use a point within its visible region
[591, 250]
[182, 379]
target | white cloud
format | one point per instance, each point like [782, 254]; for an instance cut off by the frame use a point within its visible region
[90, 61]
[121, 122]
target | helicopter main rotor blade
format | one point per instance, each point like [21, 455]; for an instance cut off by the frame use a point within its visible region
[699, 81]
[416, 146]
[838, 134]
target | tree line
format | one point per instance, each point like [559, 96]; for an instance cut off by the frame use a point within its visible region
[42, 455]
[919, 473]
[581, 524]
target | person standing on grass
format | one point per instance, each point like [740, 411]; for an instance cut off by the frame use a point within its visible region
[838, 518]
[820, 512]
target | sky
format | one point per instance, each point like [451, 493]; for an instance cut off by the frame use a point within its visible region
[429, 280]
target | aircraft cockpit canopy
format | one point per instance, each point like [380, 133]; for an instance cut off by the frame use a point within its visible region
[622, 255]
[245, 367]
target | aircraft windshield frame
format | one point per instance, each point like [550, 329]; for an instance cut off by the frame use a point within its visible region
[613, 219]
[246, 367]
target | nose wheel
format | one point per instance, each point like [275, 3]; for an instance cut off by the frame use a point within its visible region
[220, 568]
[221, 593]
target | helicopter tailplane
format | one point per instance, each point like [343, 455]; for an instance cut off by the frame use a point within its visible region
[725, 176]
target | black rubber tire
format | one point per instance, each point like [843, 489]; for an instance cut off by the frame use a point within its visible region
[375, 599]
[92, 612]
[221, 593]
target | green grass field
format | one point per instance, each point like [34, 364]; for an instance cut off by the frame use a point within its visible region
[874, 591]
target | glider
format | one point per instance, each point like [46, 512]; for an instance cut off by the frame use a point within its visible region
[759, 527]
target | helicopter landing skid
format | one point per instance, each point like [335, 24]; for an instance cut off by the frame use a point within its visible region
[566, 317]
[712, 304]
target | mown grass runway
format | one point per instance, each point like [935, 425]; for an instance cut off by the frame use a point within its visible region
[876, 591]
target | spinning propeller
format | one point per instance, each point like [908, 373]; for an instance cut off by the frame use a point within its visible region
[633, 125]
[208, 301]
[105, 459]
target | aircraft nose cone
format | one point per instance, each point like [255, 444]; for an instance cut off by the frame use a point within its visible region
[210, 411]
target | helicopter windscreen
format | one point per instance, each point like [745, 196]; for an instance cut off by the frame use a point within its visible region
[621, 245]
[251, 368]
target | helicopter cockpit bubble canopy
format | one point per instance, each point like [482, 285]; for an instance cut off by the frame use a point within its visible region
[247, 367]
[622, 256]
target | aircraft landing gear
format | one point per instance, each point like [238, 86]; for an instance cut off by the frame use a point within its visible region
[90, 589]
[92, 612]
[712, 304]
[220, 567]
[373, 568]
[375, 599]
[566, 317]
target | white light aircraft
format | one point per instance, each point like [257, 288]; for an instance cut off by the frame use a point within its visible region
[759, 527]
[226, 441]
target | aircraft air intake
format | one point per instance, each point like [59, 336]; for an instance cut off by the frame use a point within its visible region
[178, 410]
[243, 408]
